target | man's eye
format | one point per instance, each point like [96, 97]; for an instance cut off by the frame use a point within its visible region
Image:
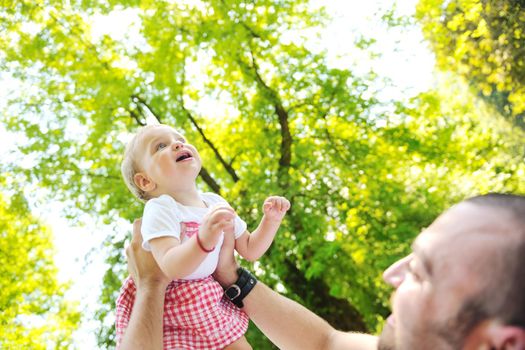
[160, 146]
[412, 273]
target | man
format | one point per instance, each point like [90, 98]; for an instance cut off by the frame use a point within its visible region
[463, 287]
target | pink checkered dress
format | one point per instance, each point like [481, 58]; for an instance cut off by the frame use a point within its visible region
[196, 314]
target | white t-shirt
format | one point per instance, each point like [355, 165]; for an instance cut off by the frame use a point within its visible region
[163, 217]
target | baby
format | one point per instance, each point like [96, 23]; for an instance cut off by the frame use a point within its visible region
[184, 230]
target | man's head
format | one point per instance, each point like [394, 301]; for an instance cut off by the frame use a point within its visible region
[158, 160]
[463, 285]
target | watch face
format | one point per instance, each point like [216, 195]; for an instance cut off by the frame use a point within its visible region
[233, 292]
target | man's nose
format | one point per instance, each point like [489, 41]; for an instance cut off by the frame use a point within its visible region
[395, 274]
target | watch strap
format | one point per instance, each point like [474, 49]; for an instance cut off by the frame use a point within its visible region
[241, 288]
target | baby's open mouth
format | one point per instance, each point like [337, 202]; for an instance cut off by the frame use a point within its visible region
[183, 156]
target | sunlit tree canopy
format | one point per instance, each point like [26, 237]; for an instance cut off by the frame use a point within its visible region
[484, 42]
[34, 314]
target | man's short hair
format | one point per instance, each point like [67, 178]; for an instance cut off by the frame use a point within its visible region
[512, 310]
[504, 297]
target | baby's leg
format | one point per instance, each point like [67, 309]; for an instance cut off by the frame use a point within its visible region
[239, 344]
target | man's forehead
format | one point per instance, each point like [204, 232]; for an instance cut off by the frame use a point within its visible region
[444, 231]
[460, 238]
[467, 218]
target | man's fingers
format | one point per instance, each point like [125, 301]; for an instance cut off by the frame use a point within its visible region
[136, 224]
[226, 273]
[136, 230]
[136, 238]
[229, 242]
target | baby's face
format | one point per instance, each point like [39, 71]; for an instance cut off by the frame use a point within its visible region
[167, 160]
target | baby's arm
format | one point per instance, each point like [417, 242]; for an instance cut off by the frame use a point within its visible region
[179, 260]
[253, 246]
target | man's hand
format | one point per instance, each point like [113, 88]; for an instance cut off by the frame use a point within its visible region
[275, 207]
[141, 265]
[144, 330]
[220, 219]
[226, 271]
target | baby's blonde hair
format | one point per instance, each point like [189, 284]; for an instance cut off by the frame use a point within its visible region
[130, 165]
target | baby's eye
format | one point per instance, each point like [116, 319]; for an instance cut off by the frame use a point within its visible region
[160, 146]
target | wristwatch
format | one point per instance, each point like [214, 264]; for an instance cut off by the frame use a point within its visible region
[241, 288]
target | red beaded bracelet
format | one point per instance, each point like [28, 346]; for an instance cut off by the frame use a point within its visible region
[202, 247]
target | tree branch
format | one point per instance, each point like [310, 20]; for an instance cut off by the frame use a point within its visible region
[251, 31]
[135, 116]
[226, 165]
[286, 136]
[347, 317]
[141, 103]
[245, 26]
[75, 30]
[210, 181]
[283, 117]
[339, 152]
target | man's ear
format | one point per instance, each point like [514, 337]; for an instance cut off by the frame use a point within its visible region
[504, 337]
[144, 182]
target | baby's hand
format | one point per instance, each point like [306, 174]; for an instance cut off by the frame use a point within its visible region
[219, 219]
[275, 207]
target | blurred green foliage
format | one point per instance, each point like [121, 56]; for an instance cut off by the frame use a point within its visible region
[34, 314]
[484, 42]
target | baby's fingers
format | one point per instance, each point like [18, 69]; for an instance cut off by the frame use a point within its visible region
[221, 207]
[281, 204]
[221, 212]
[286, 204]
[278, 203]
[267, 205]
[225, 225]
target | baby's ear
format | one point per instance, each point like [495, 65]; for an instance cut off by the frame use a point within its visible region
[144, 182]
